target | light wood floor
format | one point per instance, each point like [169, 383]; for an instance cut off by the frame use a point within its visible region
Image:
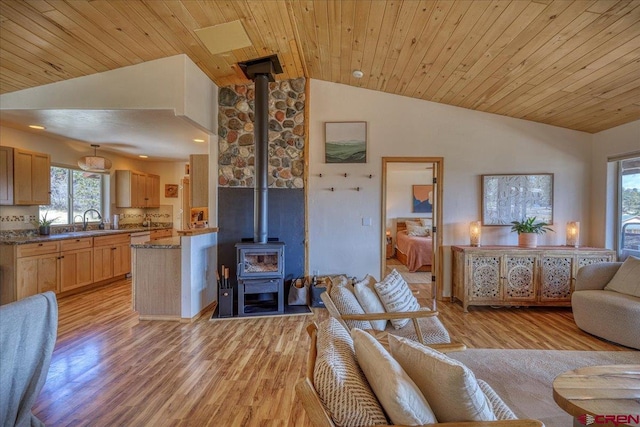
[110, 369]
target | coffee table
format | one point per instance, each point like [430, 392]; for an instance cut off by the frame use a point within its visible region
[606, 393]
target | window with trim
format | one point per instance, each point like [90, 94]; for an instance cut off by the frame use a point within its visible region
[74, 191]
[629, 207]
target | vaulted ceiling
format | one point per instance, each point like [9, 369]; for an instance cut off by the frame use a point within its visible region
[574, 64]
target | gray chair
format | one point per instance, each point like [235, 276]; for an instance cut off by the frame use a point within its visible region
[28, 331]
[606, 314]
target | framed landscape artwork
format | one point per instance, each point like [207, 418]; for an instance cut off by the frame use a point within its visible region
[422, 196]
[345, 142]
[507, 198]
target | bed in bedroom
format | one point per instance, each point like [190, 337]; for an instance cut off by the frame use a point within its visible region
[414, 244]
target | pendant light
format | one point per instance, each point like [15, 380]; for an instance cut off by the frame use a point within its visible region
[94, 163]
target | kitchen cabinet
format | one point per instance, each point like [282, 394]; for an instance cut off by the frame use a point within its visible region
[111, 256]
[199, 180]
[513, 276]
[76, 263]
[6, 176]
[137, 189]
[37, 269]
[25, 177]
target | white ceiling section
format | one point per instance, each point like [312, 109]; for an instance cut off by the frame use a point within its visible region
[156, 108]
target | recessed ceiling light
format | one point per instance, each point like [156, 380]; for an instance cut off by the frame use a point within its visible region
[37, 127]
[198, 140]
[142, 156]
[357, 74]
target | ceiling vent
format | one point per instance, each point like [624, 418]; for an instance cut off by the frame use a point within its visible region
[94, 163]
[224, 37]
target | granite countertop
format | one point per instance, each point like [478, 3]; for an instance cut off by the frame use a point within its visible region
[21, 240]
[166, 243]
[195, 231]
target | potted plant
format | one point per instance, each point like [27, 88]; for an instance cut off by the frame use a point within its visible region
[44, 224]
[528, 230]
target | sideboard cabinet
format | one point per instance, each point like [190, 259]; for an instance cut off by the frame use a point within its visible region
[514, 276]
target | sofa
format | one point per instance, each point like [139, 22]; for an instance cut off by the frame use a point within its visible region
[28, 331]
[353, 379]
[606, 301]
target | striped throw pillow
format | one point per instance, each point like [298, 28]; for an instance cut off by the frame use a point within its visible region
[347, 303]
[396, 296]
[340, 382]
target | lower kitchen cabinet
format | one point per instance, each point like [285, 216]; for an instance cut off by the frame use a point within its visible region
[111, 256]
[37, 274]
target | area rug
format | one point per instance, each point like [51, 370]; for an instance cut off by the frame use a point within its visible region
[524, 378]
[289, 310]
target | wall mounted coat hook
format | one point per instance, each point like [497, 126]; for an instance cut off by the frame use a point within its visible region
[345, 174]
[320, 175]
[332, 189]
[370, 176]
[357, 188]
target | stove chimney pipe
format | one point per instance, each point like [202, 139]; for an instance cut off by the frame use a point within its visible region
[261, 71]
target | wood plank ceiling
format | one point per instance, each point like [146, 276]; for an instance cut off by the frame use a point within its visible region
[574, 64]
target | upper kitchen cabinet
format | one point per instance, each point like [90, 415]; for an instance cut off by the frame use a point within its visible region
[199, 180]
[137, 189]
[24, 177]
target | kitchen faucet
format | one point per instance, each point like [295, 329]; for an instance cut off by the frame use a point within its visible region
[74, 221]
[84, 218]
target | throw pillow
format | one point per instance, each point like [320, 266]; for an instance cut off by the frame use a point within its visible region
[418, 230]
[339, 381]
[449, 386]
[627, 278]
[347, 303]
[396, 296]
[398, 394]
[426, 222]
[368, 299]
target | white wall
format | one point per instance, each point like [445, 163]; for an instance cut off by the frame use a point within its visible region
[198, 266]
[472, 143]
[618, 141]
[399, 193]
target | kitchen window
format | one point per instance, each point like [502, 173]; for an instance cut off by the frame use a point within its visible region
[74, 191]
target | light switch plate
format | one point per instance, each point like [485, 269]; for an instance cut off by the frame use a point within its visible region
[366, 222]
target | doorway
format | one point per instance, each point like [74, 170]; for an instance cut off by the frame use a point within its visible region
[411, 235]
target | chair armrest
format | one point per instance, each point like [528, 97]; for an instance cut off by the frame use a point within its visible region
[448, 348]
[595, 276]
[388, 316]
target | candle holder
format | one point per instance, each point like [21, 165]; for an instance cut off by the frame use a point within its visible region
[573, 233]
[475, 233]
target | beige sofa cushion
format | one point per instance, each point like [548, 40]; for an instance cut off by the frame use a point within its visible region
[449, 386]
[398, 394]
[368, 298]
[627, 278]
[339, 381]
[347, 303]
[396, 296]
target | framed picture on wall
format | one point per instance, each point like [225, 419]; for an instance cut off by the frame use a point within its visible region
[422, 199]
[507, 198]
[345, 142]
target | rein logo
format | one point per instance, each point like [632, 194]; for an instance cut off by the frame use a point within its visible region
[588, 419]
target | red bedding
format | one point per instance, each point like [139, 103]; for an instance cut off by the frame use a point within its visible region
[419, 250]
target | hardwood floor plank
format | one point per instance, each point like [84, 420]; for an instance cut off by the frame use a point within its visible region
[109, 368]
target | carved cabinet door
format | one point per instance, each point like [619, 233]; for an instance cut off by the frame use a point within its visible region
[519, 277]
[556, 276]
[485, 278]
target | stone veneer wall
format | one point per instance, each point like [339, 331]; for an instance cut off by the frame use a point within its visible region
[286, 134]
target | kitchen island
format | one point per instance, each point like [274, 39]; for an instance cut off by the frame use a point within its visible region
[174, 278]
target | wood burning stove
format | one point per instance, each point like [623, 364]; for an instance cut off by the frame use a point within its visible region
[260, 275]
[261, 263]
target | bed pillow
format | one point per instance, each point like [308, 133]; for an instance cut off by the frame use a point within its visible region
[418, 230]
[627, 278]
[401, 399]
[415, 222]
[449, 386]
[347, 303]
[396, 296]
[368, 298]
[426, 222]
[340, 382]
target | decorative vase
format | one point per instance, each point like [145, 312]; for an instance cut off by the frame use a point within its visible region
[527, 240]
[44, 230]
